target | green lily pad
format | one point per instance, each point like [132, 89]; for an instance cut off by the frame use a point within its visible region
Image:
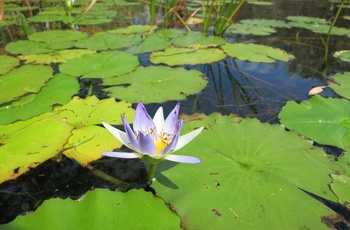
[26, 79]
[55, 56]
[343, 84]
[341, 187]
[264, 22]
[256, 53]
[152, 42]
[156, 84]
[35, 104]
[324, 120]
[101, 209]
[27, 47]
[344, 55]
[252, 173]
[259, 2]
[25, 145]
[55, 36]
[198, 40]
[250, 29]
[7, 63]
[101, 65]
[106, 40]
[174, 56]
[133, 29]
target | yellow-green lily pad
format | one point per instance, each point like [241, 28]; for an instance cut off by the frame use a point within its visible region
[344, 55]
[155, 84]
[26, 79]
[256, 53]
[24, 145]
[342, 85]
[56, 36]
[7, 63]
[54, 56]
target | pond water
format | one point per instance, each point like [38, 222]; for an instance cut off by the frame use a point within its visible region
[248, 89]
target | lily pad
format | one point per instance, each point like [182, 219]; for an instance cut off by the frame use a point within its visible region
[7, 63]
[344, 55]
[341, 187]
[54, 56]
[35, 104]
[155, 84]
[26, 79]
[324, 120]
[152, 42]
[174, 56]
[27, 47]
[40, 141]
[133, 29]
[101, 65]
[252, 172]
[250, 29]
[198, 40]
[106, 40]
[264, 22]
[256, 53]
[101, 209]
[54, 36]
[343, 84]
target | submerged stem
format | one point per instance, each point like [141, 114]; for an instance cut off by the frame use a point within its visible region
[123, 186]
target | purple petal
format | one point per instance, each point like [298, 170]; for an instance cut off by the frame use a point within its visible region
[147, 145]
[121, 155]
[142, 122]
[171, 120]
[130, 135]
[171, 146]
[183, 159]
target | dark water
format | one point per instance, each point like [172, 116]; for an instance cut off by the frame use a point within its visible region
[244, 88]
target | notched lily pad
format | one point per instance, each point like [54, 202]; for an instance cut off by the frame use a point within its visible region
[250, 29]
[198, 40]
[54, 36]
[155, 84]
[256, 53]
[250, 178]
[174, 56]
[344, 55]
[101, 65]
[324, 120]
[26, 79]
[342, 85]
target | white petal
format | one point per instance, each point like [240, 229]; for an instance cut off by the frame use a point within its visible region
[183, 159]
[121, 155]
[158, 119]
[185, 139]
[120, 135]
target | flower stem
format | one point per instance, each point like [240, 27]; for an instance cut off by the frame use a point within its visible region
[152, 171]
[122, 186]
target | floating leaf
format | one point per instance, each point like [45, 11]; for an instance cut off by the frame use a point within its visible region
[263, 22]
[7, 63]
[316, 90]
[87, 144]
[156, 84]
[106, 40]
[27, 47]
[250, 29]
[252, 171]
[344, 55]
[35, 104]
[133, 29]
[198, 40]
[152, 42]
[40, 141]
[54, 36]
[101, 209]
[92, 111]
[101, 65]
[343, 84]
[55, 56]
[256, 53]
[341, 187]
[26, 79]
[187, 56]
[324, 120]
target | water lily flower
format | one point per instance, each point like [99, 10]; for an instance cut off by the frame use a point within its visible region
[156, 138]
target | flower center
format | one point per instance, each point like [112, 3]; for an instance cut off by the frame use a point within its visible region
[160, 140]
